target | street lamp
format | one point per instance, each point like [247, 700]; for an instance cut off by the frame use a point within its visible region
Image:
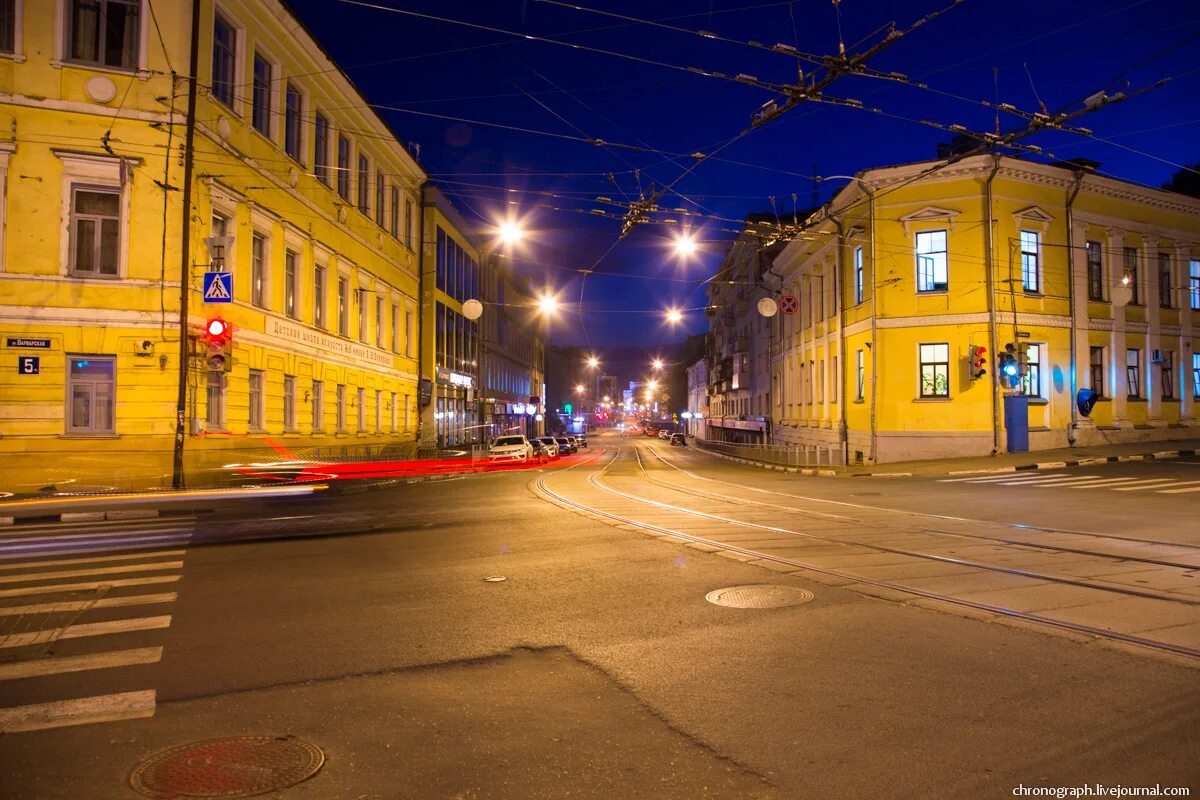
[685, 244]
[547, 304]
[674, 316]
[511, 232]
[657, 364]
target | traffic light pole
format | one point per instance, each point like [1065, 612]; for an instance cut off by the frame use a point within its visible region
[177, 481]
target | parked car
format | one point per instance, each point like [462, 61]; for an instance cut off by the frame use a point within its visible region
[678, 439]
[564, 445]
[574, 442]
[511, 448]
[547, 445]
[582, 439]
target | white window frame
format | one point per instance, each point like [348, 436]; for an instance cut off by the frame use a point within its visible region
[341, 408]
[62, 51]
[408, 331]
[256, 406]
[379, 324]
[18, 50]
[302, 131]
[216, 388]
[237, 90]
[361, 397]
[289, 403]
[379, 411]
[318, 406]
[1035, 358]
[921, 362]
[291, 283]
[274, 108]
[101, 172]
[91, 430]
[859, 374]
[260, 270]
[934, 287]
[343, 298]
[395, 411]
[858, 275]
[6, 150]
[1036, 255]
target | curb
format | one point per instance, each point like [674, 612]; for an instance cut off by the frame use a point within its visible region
[1160, 455]
[81, 516]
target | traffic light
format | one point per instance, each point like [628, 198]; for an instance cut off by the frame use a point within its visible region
[1022, 356]
[219, 335]
[977, 362]
[1007, 368]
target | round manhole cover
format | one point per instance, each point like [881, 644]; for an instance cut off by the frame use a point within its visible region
[759, 596]
[235, 766]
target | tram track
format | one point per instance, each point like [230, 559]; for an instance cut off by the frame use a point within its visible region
[895, 569]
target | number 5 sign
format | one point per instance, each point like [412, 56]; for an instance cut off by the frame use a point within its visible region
[29, 365]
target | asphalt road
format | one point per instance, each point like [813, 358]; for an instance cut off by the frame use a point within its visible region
[364, 623]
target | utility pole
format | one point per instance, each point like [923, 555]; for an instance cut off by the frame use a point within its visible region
[185, 261]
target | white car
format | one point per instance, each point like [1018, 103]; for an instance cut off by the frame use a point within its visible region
[514, 448]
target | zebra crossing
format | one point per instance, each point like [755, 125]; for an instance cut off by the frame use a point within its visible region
[1062, 480]
[84, 604]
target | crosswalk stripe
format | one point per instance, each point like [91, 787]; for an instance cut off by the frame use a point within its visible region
[1008, 476]
[62, 664]
[117, 557]
[87, 605]
[87, 586]
[1145, 483]
[1179, 491]
[1106, 482]
[85, 629]
[1064, 481]
[65, 537]
[26, 577]
[1041, 480]
[68, 547]
[67, 529]
[80, 711]
[1174, 484]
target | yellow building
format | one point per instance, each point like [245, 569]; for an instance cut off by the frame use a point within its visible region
[298, 191]
[1087, 281]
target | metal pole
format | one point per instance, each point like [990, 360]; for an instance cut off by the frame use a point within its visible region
[185, 259]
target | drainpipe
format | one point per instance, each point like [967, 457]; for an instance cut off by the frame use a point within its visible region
[843, 433]
[874, 343]
[185, 245]
[1071, 301]
[993, 335]
[421, 365]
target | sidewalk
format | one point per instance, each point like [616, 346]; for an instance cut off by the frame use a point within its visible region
[1040, 459]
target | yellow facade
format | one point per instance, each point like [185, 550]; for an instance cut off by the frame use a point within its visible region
[92, 167]
[988, 252]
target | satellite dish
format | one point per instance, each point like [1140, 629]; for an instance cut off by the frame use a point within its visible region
[472, 309]
[767, 307]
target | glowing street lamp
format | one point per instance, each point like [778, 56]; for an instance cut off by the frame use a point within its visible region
[547, 304]
[593, 362]
[579, 389]
[511, 232]
[674, 315]
[657, 364]
[685, 244]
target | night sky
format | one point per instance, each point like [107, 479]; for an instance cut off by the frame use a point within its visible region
[519, 108]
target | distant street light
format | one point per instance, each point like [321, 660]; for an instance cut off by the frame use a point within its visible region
[674, 315]
[657, 364]
[547, 304]
[593, 362]
[685, 244]
[511, 232]
[579, 389]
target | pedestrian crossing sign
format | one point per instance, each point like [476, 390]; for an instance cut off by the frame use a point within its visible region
[218, 287]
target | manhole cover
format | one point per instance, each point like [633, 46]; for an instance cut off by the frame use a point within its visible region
[235, 766]
[759, 596]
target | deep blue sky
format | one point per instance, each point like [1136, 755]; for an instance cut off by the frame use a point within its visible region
[1054, 52]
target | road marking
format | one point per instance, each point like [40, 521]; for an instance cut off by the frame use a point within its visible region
[58, 546]
[85, 629]
[57, 666]
[87, 605]
[1179, 491]
[87, 586]
[68, 561]
[81, 711]
[1147, 484]
[1063, 481]
[26, 577]
[1041, 480]
[16, 536]
[1106, 482]
[1177, 487]
[1008, 476]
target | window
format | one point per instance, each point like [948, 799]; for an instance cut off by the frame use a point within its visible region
[341, 408]
[1196, 375]
[215, 395]
[362, 410]
[394, 219]
[343, 299]
[91, 387]
[321, 149]
[8, 26]
[258, 268]
[1031, 268]
[104, 32]
[408, 332]
[362, 314]
[318, 406]
[1194, 284]
[378, 411]
[1031, 377]
[1133, 359]
[408, 223]
[935, 370]
[1096, 367]
[1131, 274]
[1095, 271]
[343, 167]
[380, 195]
[289, 402]
[256, 400]
[364, 184]
[395, 411]
[834, 382]
[1166, 366]
[395, 328]
[95, 231]
[1164, 280]
[293, 109]
[379, 322]
[289, 283]
[319, 296]
[407, 411]
[224, 63]
[859, 375]
[931, 261]
[260, 98]
[858, 275]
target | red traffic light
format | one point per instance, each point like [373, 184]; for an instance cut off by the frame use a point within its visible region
[217, 330]
[977, 362]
